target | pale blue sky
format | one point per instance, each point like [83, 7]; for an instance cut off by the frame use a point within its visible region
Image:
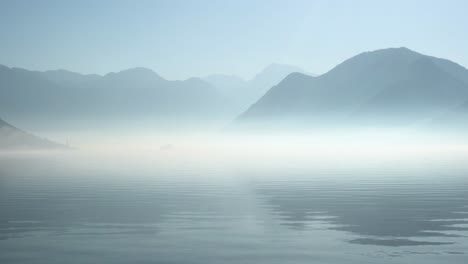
[183, 38]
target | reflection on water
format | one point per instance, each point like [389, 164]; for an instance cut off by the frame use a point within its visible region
[54, 212]
[387, 213]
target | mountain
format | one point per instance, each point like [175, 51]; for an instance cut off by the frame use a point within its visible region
[229, 84]
[14, 138]
[64, 77]
[389, 87]
[454, 120]
[271, 76]
[70, 99]
[242, 93]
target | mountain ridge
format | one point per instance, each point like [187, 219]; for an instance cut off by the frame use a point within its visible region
[334, 96]
[33, 98]
[244, 92]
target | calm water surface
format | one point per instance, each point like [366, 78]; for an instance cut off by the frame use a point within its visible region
[70, 210]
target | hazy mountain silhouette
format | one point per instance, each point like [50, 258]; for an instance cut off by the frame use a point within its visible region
[389, 87]
[242, 93]
[271, 76]
[386, 87]
[69, 98]
[64, 77]
[230, 85]
[453, 120]
[14, 138]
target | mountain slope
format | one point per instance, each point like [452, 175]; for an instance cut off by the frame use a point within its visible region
[243, 93]
[377, 88]
[13, 138]
[271, 76]
[424, 94]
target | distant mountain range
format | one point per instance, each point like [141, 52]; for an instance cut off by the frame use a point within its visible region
[243, 93]
[62, 99]
[71, 98]
[14, 138]
[394, 87]
[384, 88]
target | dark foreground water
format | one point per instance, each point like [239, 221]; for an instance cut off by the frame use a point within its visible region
[78, 210]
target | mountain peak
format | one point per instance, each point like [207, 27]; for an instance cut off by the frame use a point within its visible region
[387, 60]
[390, 52]
[138, 70]
[296, 76]
[137, 73]
[279, 68]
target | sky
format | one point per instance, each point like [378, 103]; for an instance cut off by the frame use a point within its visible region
[184, 38]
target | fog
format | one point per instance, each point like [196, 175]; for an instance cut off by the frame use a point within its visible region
[254, 132]
[277, 149]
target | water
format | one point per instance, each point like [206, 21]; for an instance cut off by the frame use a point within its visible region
[72, 209]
